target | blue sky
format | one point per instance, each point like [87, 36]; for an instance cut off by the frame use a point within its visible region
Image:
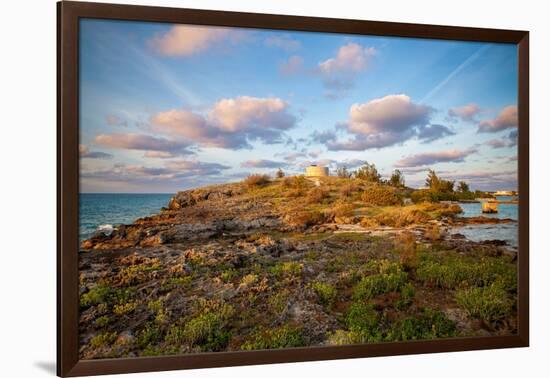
[169, 107]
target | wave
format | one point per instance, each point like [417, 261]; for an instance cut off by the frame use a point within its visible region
[107, 229]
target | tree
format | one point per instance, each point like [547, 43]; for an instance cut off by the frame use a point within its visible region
[280, 173]
[446, 186]
[368, 172]
[343, 172]
[439, 185]
[463, 187]
[397, 179]
[432, 181]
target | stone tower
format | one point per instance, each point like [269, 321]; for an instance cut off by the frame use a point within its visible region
[316, 171]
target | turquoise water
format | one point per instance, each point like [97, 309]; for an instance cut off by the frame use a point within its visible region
[505, 210]
[505, 231]
[103, 211]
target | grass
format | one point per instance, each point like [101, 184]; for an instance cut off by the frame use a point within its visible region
[306, 218]
[316, 195]
[286, 336]
[342, 209]
[490, 303]
[255, 181]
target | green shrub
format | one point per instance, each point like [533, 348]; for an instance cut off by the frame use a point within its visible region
[176, 282]
[489, 303]
[325, 292]
[390, 279]
[380, 195]
[454, 273]
[150, 334]
[286, 336]
[429, 324]
[123, 309]
[103, 321]
[287, 269]
[407, 296]
[363, 322]
[206, 330]
[103, 339]
[278, 302]
[96, 295]
[229, 274]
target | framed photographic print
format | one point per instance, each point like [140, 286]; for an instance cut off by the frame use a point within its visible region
[239, 188]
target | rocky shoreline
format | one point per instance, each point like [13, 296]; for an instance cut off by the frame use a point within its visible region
[237, 267]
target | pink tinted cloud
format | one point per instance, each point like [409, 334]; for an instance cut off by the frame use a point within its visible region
[294, 65]
[429, 158]
[186, 40]
[507, 118]
[140, 142]
[349, 58]
[384, 122]
[466, 113]
[230, 123]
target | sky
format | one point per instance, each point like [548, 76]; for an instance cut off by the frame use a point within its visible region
[168, 107]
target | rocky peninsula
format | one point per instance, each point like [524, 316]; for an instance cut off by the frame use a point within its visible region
[288, 262]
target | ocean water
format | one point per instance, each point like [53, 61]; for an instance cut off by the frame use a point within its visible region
[103, 211]
[505, 231]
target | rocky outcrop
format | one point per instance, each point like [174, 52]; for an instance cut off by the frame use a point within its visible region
[192, 197]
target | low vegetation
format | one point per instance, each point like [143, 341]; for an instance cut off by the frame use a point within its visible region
[291, 262]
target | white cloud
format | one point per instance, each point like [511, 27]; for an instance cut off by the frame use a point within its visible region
[186, 40]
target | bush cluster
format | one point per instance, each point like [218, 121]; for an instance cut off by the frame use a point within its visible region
[380, 195]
